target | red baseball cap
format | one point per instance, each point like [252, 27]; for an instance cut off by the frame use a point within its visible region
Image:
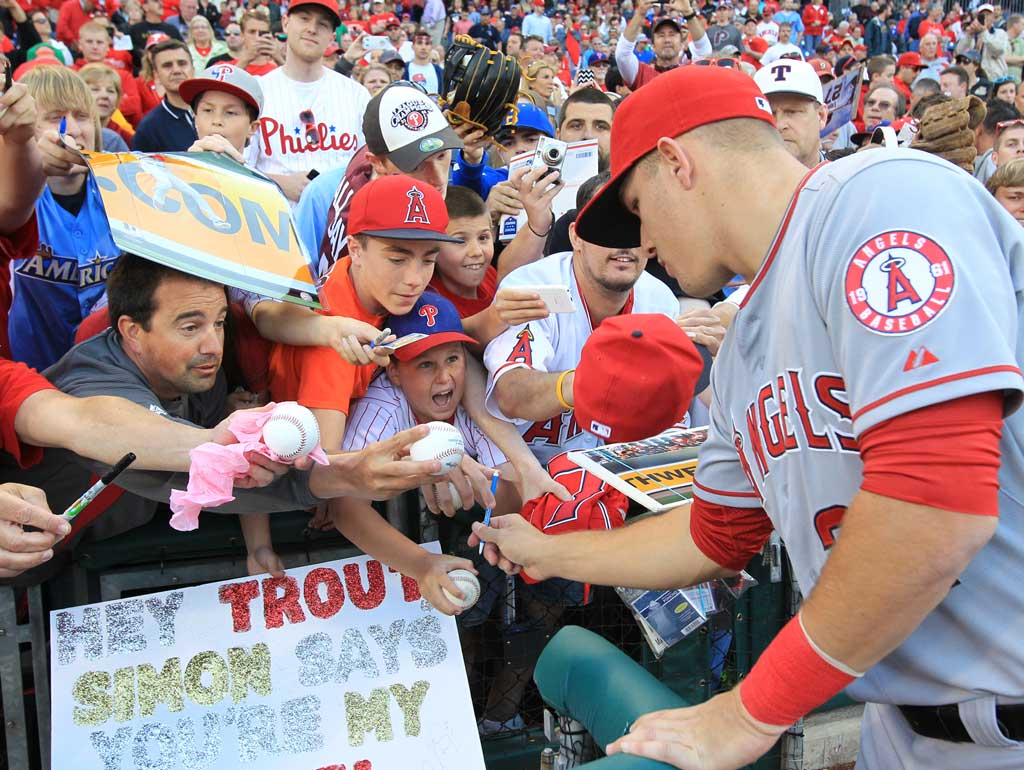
[331, 6]
[156, 37]
[637, 376]
[822, 68]
[910, 59]
[683, 99]
[398, 206]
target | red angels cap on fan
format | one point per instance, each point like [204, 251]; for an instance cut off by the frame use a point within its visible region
[682, 99]
[400, 207]
[636, 377]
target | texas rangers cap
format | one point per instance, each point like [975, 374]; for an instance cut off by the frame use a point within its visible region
[683, 99]
[331, 6]
[788, 76]
[227, 78]
[432, 315]
[637, 376]
[404, 124]
[398, 206]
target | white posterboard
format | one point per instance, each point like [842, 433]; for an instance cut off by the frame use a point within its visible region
[841, 98]
[337, 665]
[580, 164]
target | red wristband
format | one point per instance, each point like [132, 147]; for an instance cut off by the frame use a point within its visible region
[790, 679]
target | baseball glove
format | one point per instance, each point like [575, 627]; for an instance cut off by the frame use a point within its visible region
[480, 85]
[947, 130]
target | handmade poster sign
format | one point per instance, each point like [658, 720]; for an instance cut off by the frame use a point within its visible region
[337, 666]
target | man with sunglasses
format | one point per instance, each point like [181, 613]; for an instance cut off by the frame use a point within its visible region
[311, 115]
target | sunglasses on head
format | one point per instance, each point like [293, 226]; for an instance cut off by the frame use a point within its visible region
[730, 63]
[1005, 124]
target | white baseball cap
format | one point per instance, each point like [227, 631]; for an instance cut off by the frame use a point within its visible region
[984, 7]
[790, 76]
[405, 124]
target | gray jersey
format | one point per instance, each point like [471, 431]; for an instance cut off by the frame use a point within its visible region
[880, 297]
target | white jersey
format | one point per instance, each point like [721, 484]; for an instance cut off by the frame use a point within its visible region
[554, 344]
[385, 411]
[871, 305]
[778, 50]
[306, 126]
[768, 30]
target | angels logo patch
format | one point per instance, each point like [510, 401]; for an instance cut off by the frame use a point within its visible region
[898, 281]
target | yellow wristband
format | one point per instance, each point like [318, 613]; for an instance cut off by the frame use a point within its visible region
[558, 388]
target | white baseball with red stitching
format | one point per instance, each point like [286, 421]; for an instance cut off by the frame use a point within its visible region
[443, 443]
[291, 432]
[467, 583]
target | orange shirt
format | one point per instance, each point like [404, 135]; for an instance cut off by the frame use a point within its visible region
[319, 378]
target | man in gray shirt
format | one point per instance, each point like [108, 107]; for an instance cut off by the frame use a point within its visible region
[164, 353]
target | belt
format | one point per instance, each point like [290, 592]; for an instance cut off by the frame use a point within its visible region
[943, 722]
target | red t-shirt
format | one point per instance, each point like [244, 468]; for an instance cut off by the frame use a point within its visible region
[815, 17]
[484, 293]
[17, 381]
[757, 45]
[256, 70]
[927, 26]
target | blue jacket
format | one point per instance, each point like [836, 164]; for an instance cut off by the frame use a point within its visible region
[480, 178]
[57, 288]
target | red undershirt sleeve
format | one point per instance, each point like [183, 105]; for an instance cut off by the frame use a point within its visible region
[943, 456]
[730, 537]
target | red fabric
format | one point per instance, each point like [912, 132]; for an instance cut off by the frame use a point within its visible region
[97, 322]
[20, 244]
[815, 18]
[926, 26]
[908, 457]
[6, 46]
[148, 96]
[594, 504]
[757, 45]
[904, 89]
[256, 70]
[790, 679]
[728, 536]
[131, 103]
[252, 352]
[17, 383]
[70, 19]
[484, 293]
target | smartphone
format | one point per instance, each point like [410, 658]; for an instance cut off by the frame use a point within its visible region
[557, 298]
[376, 43]
[401, 342]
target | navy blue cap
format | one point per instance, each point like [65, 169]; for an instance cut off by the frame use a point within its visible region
[432, 315]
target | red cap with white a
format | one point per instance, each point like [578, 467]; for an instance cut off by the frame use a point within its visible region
[672, 104]
[399, 207]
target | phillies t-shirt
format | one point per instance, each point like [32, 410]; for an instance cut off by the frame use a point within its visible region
[425, 76]
[306, 126]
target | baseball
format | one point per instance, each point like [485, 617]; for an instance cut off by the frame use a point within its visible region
[291, 432]
[444, 443]
[468, 584]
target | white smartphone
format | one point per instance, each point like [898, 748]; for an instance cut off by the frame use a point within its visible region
[557, 298]
[375, 43]
[401, 342]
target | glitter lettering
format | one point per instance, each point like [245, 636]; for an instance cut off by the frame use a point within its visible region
[196, 688]
[410, 701]
[239, 596]
[373, 595]
[163, 736]
[164, 610]
[71, 635]
[164, 687]
[275, 607]
[389, 641]
[334, 598]
[110, 748]
[368, 715]
[249, 669]
[92, 690]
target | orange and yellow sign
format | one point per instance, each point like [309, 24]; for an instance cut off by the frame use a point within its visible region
[207, 216]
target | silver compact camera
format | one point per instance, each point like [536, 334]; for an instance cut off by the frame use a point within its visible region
[550, 154]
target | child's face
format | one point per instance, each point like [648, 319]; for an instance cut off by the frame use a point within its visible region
[465, 264]
[222, 113]
[433, 382]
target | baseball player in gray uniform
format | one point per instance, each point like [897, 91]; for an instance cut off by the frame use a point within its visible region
[864, 406]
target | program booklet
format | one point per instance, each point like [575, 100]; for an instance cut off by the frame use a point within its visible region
[656, 472]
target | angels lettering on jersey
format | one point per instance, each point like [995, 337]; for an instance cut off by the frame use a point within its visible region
[793, 412]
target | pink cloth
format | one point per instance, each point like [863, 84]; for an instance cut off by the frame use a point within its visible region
[214, 468]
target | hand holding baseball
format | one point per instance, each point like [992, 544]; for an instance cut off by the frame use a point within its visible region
[471, 483]
[435, 580]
